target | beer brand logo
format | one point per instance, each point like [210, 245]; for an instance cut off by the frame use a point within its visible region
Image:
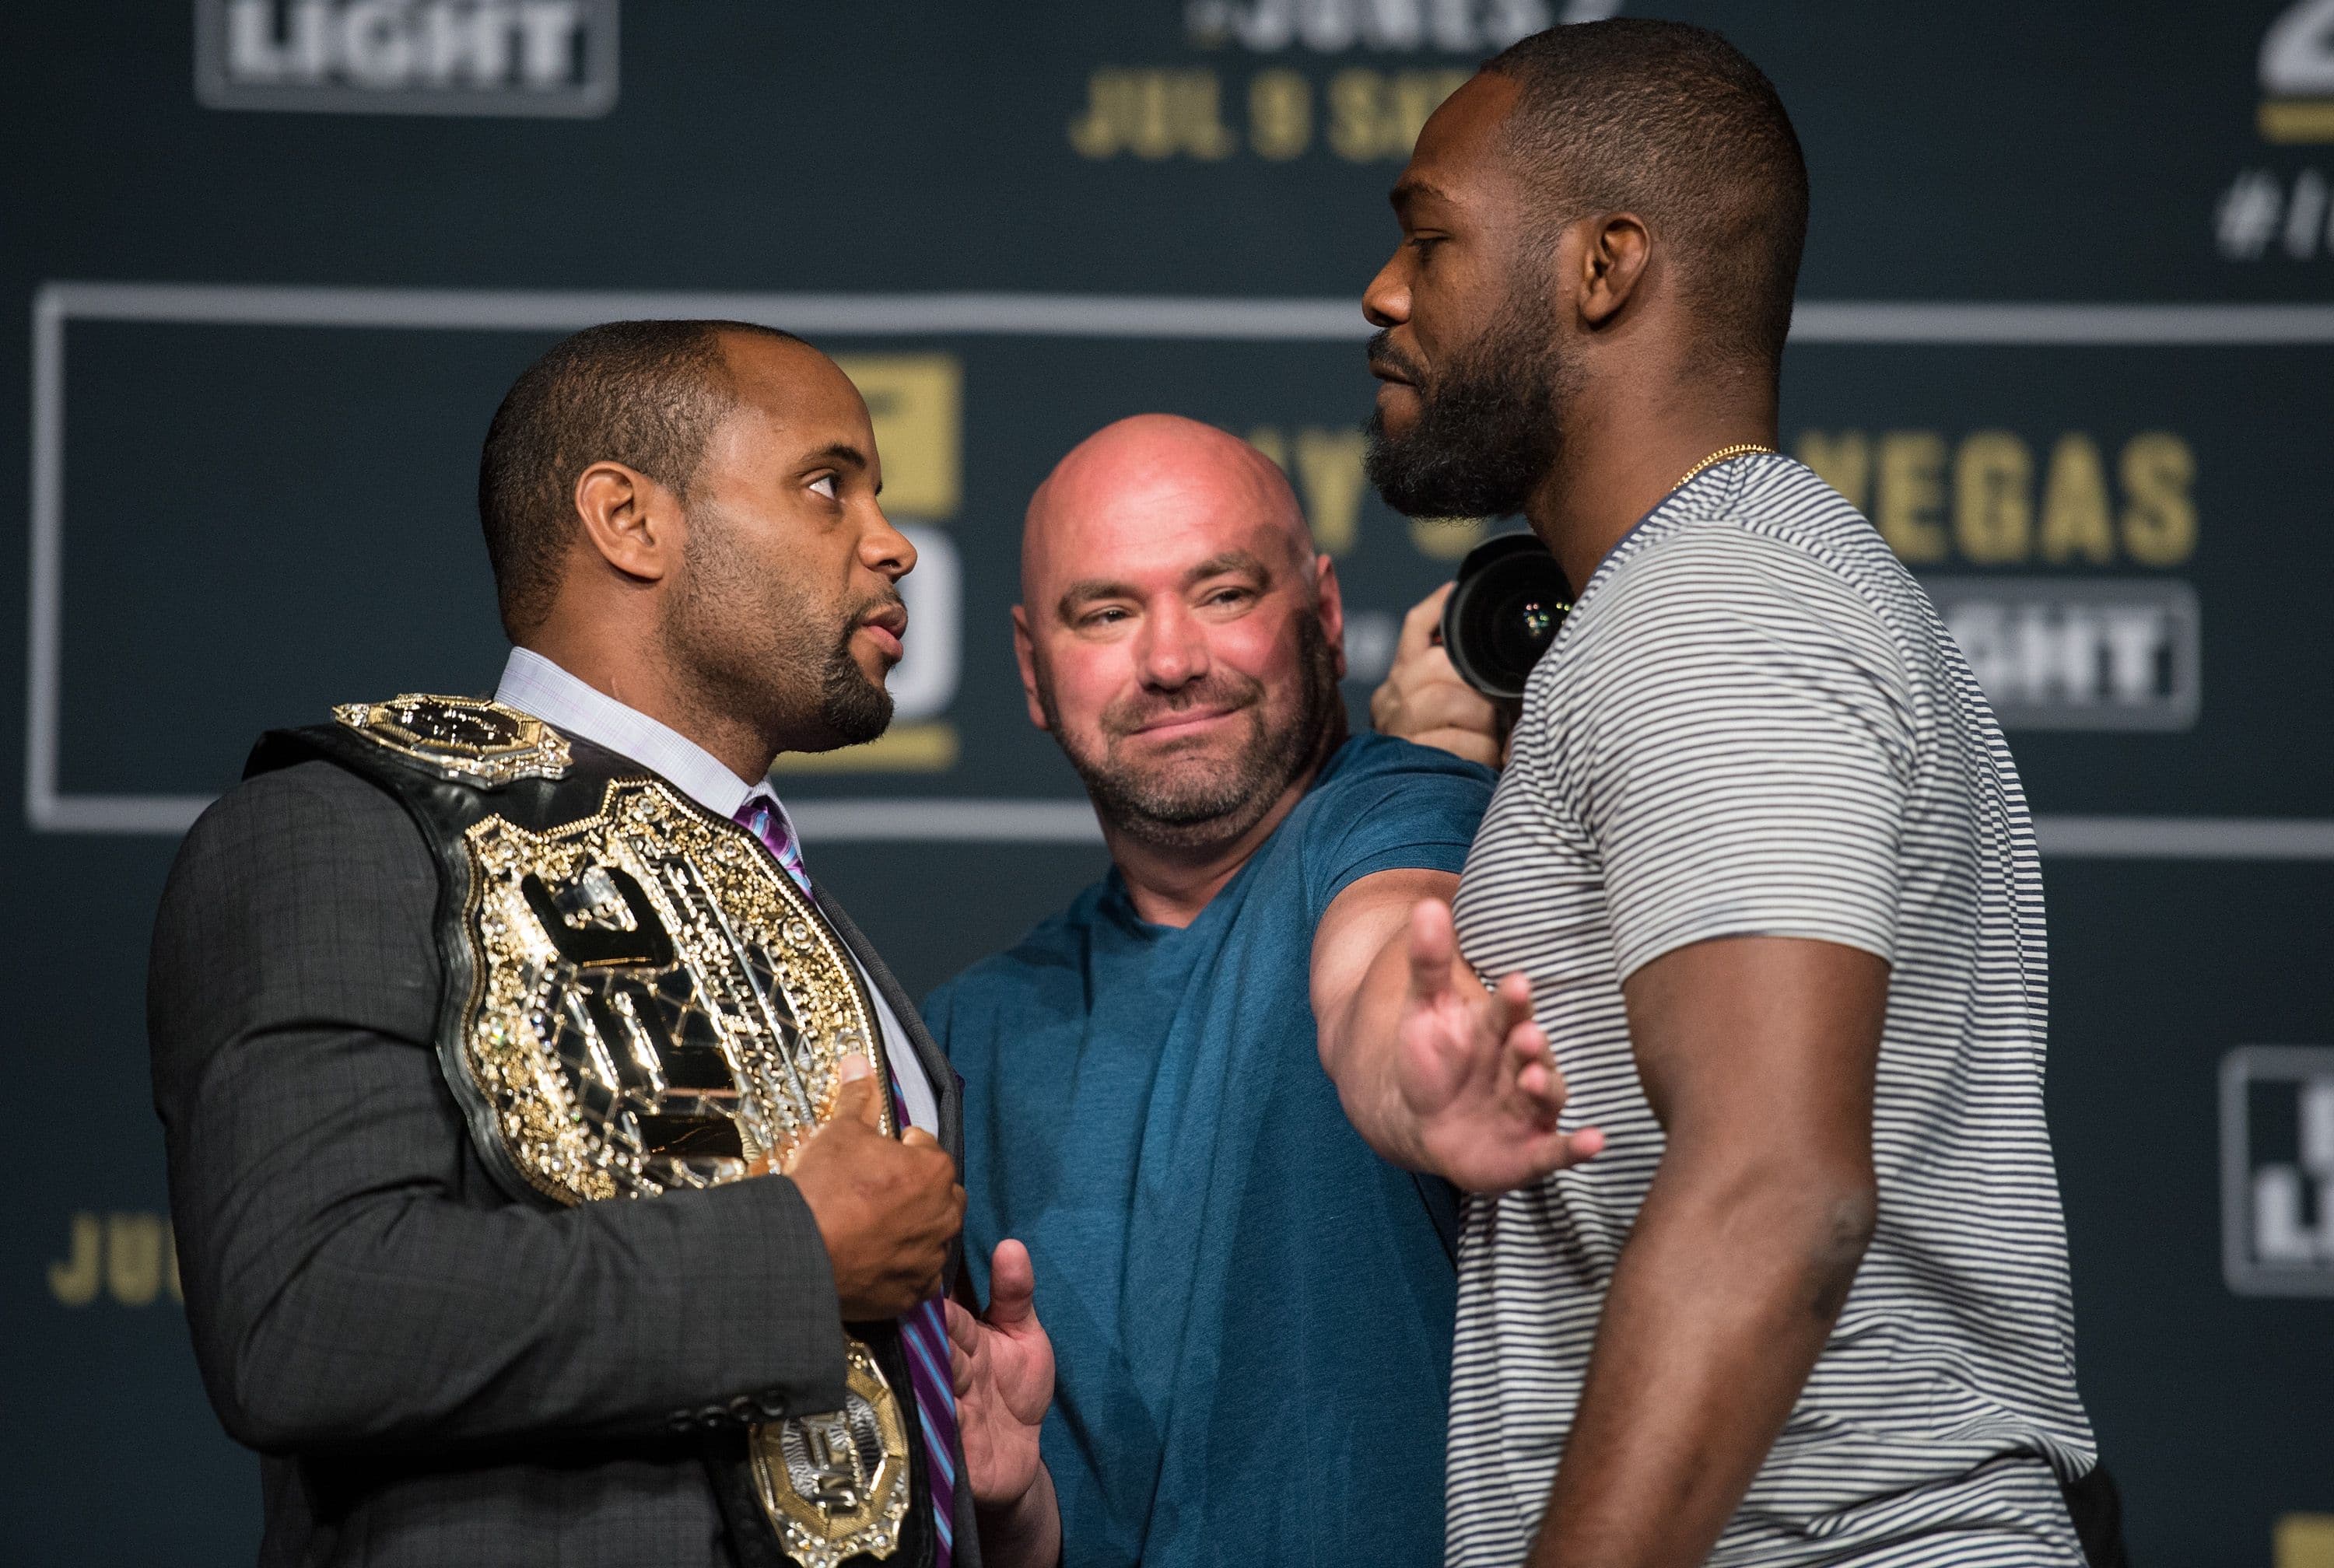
[1331, 26]
[541, 57]
[2277, 1169]
[2052, 653]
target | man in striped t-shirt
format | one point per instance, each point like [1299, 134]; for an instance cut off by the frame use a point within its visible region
[1768, 1265]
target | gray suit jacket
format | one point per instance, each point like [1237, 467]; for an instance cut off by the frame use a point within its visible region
[432, 1373]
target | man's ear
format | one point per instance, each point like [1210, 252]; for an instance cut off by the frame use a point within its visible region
[1331, 602]
[1615, 249]
[1025, 654]
[634, 522]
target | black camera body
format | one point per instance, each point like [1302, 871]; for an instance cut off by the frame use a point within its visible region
[1506, 607]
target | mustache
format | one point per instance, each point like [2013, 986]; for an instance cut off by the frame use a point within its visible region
[869, 608]
[1382, 354]
[1221, 690]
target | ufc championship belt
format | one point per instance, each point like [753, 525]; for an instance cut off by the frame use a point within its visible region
[639, 999]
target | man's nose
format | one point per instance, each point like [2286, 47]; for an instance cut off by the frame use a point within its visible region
[884, 548]
[1173, 651]
[1386, 302]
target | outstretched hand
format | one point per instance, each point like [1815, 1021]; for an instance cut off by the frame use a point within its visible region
[1475, 1072]
[1003, 1366]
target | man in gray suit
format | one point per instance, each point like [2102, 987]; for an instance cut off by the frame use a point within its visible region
[438, 1363]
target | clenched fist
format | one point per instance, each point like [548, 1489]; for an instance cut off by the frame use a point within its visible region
[887, 1209]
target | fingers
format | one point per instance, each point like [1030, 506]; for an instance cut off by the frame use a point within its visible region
[1420, 624]
[964, 1338]
[1435, 696]
[1012, 1285]
[1511, 1006]
[1432, 947]
[917, 1138]
[1536, 1079]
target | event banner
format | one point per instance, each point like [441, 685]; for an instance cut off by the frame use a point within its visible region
[2065, 335]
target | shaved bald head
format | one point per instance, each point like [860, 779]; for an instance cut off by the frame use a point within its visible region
[1161, 464]
[1179, 635]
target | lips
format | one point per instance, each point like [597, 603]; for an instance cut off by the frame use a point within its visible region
[889, 627]
[1387, 363]
[1168, 724]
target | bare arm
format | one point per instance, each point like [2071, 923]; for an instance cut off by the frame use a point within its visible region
[1758, 1056]
[1435, 1073]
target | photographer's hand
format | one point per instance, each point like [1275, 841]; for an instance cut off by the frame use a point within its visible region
[1422, 699]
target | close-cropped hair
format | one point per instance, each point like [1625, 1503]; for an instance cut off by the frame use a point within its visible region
[1675, 124]
[646, 394]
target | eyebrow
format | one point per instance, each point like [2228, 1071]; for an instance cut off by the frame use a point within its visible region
[844, 453]
[1409, 188]
[1088, 589]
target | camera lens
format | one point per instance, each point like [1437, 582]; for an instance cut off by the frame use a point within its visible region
[1510, 601]
[1520, 628]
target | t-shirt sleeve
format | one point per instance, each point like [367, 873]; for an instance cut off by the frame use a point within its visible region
[1400, 807]
[1741, 729]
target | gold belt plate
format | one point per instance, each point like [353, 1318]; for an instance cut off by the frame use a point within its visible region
[655, 1006]
[835, 1486]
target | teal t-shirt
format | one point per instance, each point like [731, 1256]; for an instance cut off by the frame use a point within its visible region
[1250, 1311]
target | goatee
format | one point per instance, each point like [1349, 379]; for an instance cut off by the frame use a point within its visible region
[1489, 421]
[1171, 807]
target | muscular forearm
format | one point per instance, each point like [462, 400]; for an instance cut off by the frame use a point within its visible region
[1722, 1300]
[1358, 1042]
[1027, 1534]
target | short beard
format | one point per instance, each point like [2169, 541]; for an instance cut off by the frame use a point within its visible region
[749, 645]
[1488, 427]
[1167, 810]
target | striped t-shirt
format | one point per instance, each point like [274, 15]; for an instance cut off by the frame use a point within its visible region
[1754, 723]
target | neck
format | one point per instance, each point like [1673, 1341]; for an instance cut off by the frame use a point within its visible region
[1170, 885]
[1628, 450]
[644, 680]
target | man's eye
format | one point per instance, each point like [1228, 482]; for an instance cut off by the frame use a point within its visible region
[825, 484]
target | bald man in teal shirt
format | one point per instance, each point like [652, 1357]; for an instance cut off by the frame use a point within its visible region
[1249, 1312]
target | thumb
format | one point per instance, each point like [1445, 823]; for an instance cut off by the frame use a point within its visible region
[1012, 1285]
[857, 1100]
[1431, 948]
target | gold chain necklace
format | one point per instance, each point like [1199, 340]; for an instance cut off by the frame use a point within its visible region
[1739, 449]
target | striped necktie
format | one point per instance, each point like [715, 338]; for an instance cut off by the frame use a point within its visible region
[923, 1331]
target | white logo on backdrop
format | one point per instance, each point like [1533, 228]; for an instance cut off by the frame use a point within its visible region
[546, 57]
[2297, 54]
[1329, 26]
[2053, 653]
[2277, 1170]
[923, 683]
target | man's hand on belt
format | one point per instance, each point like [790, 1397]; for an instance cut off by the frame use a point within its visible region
[887, 1208]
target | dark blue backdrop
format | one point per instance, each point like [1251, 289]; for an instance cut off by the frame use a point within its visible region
[2063, 333]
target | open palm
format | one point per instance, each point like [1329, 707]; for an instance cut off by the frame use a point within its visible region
[1003, 1368]
[1475, 1071]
